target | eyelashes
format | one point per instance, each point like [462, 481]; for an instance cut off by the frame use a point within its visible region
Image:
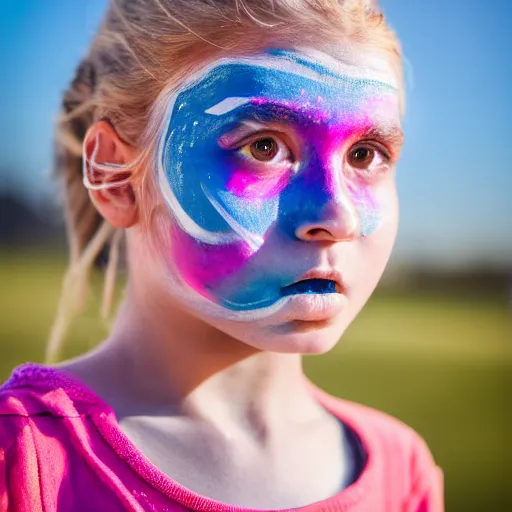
[267, 151]
[263, 152]
[368, 158]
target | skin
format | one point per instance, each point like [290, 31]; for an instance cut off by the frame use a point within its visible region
[192, 367]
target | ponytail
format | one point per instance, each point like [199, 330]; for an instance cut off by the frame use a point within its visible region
[87, 232]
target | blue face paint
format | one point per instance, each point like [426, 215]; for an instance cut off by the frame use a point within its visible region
[230, 209]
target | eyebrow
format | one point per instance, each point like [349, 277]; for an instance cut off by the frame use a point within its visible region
[388, 131]
[392, 133]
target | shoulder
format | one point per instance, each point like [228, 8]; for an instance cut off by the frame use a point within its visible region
[22, 404]
[48, 437]
[35, 398]
[391, 433]
[386, 431]
[397, 453]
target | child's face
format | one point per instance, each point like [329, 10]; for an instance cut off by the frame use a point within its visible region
[275, 167]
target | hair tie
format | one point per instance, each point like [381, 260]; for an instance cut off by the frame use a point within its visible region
[110, 173]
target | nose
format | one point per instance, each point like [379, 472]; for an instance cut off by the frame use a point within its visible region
[334, 221]
[328, 212]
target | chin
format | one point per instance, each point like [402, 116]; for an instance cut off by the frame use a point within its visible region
[310, 337]
[295, 337]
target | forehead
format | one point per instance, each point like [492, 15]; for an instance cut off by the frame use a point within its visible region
[297, 79]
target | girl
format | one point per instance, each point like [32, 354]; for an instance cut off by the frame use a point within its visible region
[246, 149]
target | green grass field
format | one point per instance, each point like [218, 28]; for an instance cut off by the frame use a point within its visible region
[441, 364]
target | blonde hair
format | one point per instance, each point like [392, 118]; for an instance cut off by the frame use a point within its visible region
[142, 46]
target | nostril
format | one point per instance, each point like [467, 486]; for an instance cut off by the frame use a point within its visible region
[315, 231]
[327, 234]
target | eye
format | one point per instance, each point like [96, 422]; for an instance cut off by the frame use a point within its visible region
[264, 150]
[365, 156]
[267, 150]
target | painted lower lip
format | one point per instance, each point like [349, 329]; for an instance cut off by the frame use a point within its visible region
[314, 306]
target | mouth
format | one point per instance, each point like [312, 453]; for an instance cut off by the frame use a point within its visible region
[312, 286]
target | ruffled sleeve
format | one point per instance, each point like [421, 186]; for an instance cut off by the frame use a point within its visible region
[20, 486]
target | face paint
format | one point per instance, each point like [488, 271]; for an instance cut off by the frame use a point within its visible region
[227, 205]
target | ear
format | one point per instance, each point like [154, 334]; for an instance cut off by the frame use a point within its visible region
[107, 174]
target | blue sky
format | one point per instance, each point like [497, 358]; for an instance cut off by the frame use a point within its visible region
[454, 179]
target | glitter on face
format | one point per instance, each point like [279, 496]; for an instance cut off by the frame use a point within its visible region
[227, 206]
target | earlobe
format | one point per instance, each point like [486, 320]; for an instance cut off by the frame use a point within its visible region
[107, 174]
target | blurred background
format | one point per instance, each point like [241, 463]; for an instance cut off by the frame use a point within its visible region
[432, 347]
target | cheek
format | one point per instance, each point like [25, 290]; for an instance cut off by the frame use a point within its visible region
[373, 253]
[376, 206]
[386, 200]
[369, 209]
[243, 183]
[203, 266]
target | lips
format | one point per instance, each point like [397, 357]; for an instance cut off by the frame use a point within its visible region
[315, 282]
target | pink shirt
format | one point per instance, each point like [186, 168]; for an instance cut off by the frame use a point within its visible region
[61, 448]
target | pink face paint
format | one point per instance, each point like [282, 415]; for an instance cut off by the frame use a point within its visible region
[244, 183]
[204, 266]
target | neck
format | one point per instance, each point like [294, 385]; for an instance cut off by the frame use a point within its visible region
[169, 362]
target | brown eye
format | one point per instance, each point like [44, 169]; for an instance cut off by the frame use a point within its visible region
[264, 150]
[361, 157]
